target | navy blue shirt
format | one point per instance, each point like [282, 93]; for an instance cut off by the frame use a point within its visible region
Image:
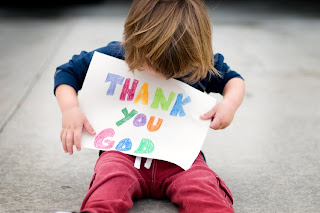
[74, 72]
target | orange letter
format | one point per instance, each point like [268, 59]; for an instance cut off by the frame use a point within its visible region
[150, 125]
[143, 93]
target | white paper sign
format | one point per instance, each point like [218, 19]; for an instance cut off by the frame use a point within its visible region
[141, 114]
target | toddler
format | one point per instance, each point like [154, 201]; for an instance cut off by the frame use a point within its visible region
[170, 39]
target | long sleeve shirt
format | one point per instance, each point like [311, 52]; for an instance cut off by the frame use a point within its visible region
[74, 72]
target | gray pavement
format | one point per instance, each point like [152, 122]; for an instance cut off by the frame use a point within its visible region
[269, 156]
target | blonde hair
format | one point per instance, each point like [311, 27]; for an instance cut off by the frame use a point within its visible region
[172, 36]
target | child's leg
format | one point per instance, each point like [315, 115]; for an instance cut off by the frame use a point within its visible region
[199, 189]
[114, 184]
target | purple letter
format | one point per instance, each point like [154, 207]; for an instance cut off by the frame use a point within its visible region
[114, 79]
[140, 120]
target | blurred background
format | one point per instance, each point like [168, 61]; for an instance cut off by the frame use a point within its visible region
[269, 156]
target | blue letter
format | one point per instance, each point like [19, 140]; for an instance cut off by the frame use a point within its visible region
[124, 145]
[177, 108]
[114, 79]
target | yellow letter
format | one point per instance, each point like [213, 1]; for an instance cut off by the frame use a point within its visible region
[143, 93]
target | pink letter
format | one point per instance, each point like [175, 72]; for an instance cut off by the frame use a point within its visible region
[101, 141]
[126, 90]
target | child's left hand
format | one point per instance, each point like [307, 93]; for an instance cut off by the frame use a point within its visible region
[221, 115]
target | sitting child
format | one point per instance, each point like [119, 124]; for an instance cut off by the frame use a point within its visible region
[171, 39]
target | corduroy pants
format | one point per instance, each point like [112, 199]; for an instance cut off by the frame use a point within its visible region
[116, 183]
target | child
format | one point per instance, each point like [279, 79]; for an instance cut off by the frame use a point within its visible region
[171, 39]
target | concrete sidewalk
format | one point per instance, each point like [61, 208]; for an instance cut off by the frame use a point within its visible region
[269, 156]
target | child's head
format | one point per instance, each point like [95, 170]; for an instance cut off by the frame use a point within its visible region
[172, 37]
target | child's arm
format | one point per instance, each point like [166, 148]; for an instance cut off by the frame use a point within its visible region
[73, 119]
[222, 114]
[68, 79]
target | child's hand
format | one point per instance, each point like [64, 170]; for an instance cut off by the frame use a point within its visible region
[221, 115]
[73, 120]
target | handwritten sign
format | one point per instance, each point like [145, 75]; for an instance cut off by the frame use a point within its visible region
[141, 114]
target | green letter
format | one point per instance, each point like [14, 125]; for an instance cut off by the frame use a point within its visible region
[159, 98]
[146, 146]
[127, 116]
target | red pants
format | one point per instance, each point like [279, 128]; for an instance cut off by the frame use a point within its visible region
[116, 183]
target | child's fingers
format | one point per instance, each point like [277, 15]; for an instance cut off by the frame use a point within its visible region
[77, 138]
[89, 128]
[69, 141]
[61, 133]
[63, 141]
[223, 125]
[209, 114]
[215, 123]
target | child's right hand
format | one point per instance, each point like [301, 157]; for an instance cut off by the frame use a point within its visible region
[73, 120]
